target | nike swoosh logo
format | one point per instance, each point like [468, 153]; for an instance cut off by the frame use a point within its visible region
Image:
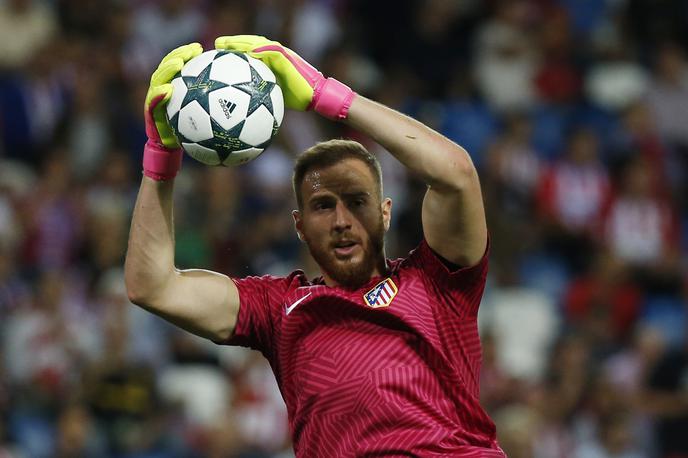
[297, 302]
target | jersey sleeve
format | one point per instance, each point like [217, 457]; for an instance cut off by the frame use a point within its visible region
[459, 288]
[259, 301]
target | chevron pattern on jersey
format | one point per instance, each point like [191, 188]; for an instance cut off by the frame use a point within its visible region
[398, 380]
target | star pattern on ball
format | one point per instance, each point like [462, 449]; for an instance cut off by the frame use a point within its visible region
[259, 90]
[225, 141]
[198, 87]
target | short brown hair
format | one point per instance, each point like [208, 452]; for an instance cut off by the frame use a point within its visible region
[325, 154]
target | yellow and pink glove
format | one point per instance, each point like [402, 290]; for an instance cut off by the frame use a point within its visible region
[162, 155]
[304, 87]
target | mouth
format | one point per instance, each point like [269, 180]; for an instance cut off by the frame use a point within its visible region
[344, 248]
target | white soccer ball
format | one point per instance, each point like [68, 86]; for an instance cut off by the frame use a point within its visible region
[225, 107]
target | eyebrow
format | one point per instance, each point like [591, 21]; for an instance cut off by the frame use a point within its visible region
[320, 196]
[326, 195]
[356, 194]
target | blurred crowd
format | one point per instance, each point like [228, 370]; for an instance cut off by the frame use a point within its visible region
[575, 113]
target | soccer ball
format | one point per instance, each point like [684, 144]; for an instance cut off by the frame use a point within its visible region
[225, 107]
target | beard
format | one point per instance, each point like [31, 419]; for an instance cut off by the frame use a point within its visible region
[347, 272]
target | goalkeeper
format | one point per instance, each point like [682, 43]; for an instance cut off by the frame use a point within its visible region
[375, 357]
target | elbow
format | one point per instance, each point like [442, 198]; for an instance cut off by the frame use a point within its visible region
[136, 298]
[139, 286]
[222, 335]
[136, 293]
[459, 174]
[466, 174]
[144, 281]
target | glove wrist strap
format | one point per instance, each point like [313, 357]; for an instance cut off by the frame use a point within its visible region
[332, 99]
[160, 163]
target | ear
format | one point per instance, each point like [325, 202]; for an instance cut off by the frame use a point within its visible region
[298, 224]
[386, 208]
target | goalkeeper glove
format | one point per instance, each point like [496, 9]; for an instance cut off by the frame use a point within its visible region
[162, 155]
[304, 87]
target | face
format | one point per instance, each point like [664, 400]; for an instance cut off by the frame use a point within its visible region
[343, 222]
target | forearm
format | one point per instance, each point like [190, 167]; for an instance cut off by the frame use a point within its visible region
[149, 262]
[440, 162]
[453, 214]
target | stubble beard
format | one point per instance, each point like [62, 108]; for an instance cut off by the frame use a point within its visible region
[347, 273]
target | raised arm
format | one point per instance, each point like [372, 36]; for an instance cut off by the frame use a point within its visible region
[203, 302]
[453, 214]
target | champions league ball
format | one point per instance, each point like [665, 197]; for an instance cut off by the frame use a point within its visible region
[225, 107]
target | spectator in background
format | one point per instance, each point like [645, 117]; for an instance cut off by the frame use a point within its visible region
[505, 59]
[639, 136]
[522, 323]
[616, 79]
[145, 340]
[52, 217]
[517, 424]
[26, 26]
[14, 289]
[558, 79]
[641, 229]
[77, 434]
[564, 387]
[603, 302]
[627, 371]
[668, 94]
[89, 133]
[33, 104]
[613, 440]
[667, 100]
[603, 425]
[572, 196]
[513, 171]
[47, 343]
[163, 25]
[666, 398]
[435, 36]
[313, 29]
[650, 23]
[233, 17]
[514, 168]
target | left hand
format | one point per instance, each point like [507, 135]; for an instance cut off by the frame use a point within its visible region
[304, 87]
[158, 127]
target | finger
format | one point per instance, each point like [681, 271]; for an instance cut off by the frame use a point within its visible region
[167, 71]
[240, 42]
[159, 95]
[185, 53]
[282, 64]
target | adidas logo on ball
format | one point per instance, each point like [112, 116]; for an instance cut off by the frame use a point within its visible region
[227, 107]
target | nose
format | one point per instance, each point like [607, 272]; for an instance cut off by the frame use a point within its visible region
[342, 217]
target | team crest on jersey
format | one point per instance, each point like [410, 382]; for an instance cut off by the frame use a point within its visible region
[381, 295]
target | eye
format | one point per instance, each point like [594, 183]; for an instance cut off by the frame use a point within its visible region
[358, 202]
[322, 205]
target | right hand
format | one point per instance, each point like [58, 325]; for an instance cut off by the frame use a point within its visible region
[158, 128]
[304, 87]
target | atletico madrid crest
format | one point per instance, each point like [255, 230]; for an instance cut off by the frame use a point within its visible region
[381, 295]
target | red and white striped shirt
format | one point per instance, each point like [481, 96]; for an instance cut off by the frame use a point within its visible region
[389, 369]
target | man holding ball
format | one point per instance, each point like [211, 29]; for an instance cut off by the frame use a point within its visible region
[376, 357]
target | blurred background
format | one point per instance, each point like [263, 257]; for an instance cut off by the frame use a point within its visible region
[575, 113]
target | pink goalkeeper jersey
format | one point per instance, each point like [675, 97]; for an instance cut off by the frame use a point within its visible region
[390, 369]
